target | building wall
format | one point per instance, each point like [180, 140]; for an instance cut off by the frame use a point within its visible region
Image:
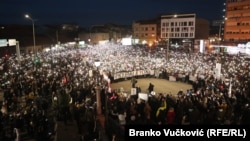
[110, 32]
[201, 29]
[84, 36]
[237, 23]
[145, 32]
[94, 38]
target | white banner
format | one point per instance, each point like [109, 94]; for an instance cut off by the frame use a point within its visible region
[133, 91]
[143, 96]
[218, 70]
[192, 78]
[90, 73]
[172, 78]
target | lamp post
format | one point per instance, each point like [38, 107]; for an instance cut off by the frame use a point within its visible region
[221, 29]
[168, 42]
[33, 28]
[98, 90]
[90, 35]
[219, 40]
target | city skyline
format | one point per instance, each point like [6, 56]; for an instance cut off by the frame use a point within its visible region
[97, 12]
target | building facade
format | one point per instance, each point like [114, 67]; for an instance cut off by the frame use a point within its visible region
[108, 32]
[181, 30]
[177, 28]
[171, 30]
[145, 32]
[237, 21]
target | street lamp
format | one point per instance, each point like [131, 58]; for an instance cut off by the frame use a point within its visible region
[97, 63]
[90, 34]
[33, 28]
[169, 29]
[221, 29]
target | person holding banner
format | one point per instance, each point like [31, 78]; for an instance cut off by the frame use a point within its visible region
[138, 90]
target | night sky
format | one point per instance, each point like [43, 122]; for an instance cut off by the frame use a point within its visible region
[96, 12]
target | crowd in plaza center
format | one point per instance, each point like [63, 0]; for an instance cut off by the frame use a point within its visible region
[62, 85]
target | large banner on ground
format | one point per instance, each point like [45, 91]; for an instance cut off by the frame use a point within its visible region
[128, 74]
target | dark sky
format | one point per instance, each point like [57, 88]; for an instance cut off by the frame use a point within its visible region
[96, 12]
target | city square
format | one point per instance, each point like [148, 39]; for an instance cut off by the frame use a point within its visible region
[88, 78]
[91, 71]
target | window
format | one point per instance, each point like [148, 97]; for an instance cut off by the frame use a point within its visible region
[171, 35]
[172, 23]
[190, 23]
[184, 29]
[163, 35]
[172, 29]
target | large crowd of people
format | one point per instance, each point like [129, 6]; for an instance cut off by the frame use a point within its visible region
[61, 84]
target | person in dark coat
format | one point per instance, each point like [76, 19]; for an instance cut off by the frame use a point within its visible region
[133, 82]
[150, 88]
[65, 106]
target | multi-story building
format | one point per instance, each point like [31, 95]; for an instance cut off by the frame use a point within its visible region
[173, 30]
[108, 32]
[145, 31]
[45, 36]
[237, 21]
[181, 30]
